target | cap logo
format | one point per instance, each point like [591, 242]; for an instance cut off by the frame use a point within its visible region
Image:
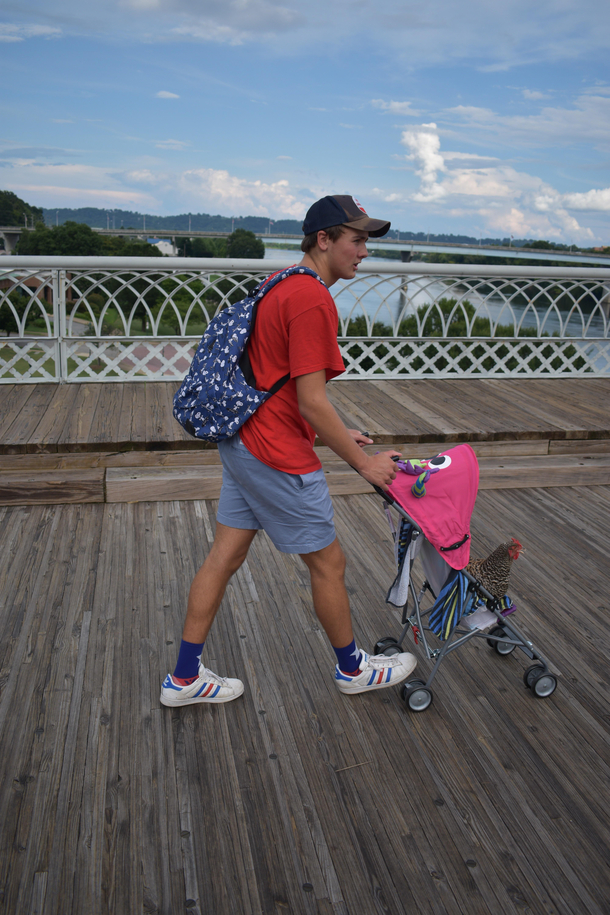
[359, 205]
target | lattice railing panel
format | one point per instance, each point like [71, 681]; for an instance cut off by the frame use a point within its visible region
[28, 360]
[411, 357]
[125, 360]
[115, 321]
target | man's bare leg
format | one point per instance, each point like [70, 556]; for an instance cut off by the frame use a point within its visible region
[228, 552]
[331, 603]
[330, 600]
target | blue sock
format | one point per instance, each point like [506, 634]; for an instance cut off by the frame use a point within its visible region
[188, 660]
[348, 658]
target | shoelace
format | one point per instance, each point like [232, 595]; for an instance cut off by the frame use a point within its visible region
[210, 675]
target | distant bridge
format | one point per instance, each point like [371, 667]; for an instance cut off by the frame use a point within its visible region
[11, 235]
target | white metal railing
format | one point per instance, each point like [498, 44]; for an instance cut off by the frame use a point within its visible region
[116, 319]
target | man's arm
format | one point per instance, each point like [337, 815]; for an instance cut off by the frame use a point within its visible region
[317, 410]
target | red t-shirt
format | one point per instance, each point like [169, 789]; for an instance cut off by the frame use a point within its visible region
[295, 332]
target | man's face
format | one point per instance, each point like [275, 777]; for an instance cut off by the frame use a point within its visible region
[345, 254]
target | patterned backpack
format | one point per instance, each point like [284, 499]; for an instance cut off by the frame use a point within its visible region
[219, 392]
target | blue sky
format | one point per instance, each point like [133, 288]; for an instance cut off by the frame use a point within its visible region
[463, 116]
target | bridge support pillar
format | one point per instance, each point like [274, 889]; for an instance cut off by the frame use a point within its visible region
[11, 240]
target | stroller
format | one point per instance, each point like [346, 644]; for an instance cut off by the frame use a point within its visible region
[434, 512]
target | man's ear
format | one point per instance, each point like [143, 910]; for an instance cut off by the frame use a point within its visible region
[323, 240]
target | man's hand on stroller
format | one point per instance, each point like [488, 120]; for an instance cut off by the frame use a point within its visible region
[379, 469]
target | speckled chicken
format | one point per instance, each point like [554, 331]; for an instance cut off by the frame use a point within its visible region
[494, 572]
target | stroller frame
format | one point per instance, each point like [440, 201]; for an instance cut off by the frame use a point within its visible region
[504, 637]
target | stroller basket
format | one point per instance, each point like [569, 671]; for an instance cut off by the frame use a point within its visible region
[434, 528]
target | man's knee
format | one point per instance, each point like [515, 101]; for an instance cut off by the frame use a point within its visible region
[328, 562]
[230, 548]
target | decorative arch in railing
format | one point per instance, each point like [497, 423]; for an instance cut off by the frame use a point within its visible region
[111, 319]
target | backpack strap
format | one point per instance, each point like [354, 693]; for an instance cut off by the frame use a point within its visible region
[261, 290]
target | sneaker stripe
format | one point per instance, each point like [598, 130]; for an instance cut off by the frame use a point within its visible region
[169, 684]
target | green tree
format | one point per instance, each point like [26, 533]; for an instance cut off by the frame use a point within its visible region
[242, 243]
[117, 246]
[203, 247]
[71, 238]
[13, 209]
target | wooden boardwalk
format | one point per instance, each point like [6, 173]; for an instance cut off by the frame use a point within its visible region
[119, 442]
[294, 799]
[76, 418]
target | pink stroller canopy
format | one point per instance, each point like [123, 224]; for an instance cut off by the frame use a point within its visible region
[444, 512]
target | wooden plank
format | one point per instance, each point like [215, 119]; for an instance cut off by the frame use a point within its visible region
[104, 430]
[586, 446]
[17, 437]
[488, 411]
[47, 433]
[422, 416]
[75, 461]
[75, 433]
[159, 422]
[210, 456]
[132, 423]
[51, 487]
[572, 408]
[383, 412]
[159, 484]
[14, 397]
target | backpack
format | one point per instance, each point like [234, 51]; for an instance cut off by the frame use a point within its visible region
[219, 392]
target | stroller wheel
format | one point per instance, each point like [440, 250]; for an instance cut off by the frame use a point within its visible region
[498, 644]
[540, 681]
[387, 646]
[416, 696]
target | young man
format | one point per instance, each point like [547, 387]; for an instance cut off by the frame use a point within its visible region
[272, 478]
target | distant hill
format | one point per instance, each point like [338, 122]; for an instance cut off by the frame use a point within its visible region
[199, 222]
[203, 222]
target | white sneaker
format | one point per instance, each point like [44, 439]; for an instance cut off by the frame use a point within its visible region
[208, 687]
[377, 672]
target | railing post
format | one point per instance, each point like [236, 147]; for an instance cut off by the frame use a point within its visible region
[59, 323]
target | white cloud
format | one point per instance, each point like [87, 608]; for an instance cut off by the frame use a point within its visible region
[508, 200]
[164, 94]
[10, 32]
[589, 200]
[172, 144]
[424, 145]
[588, 121]
[283, 157]
[492, 36]
[399, 108]
[532, 95]
[217, 188]
[55, 195]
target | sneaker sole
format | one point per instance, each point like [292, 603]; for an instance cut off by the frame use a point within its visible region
[198, 700]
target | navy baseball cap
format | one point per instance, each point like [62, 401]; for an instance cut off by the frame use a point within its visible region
[342, 210]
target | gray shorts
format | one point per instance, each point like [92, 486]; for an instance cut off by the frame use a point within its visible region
[294, 509]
